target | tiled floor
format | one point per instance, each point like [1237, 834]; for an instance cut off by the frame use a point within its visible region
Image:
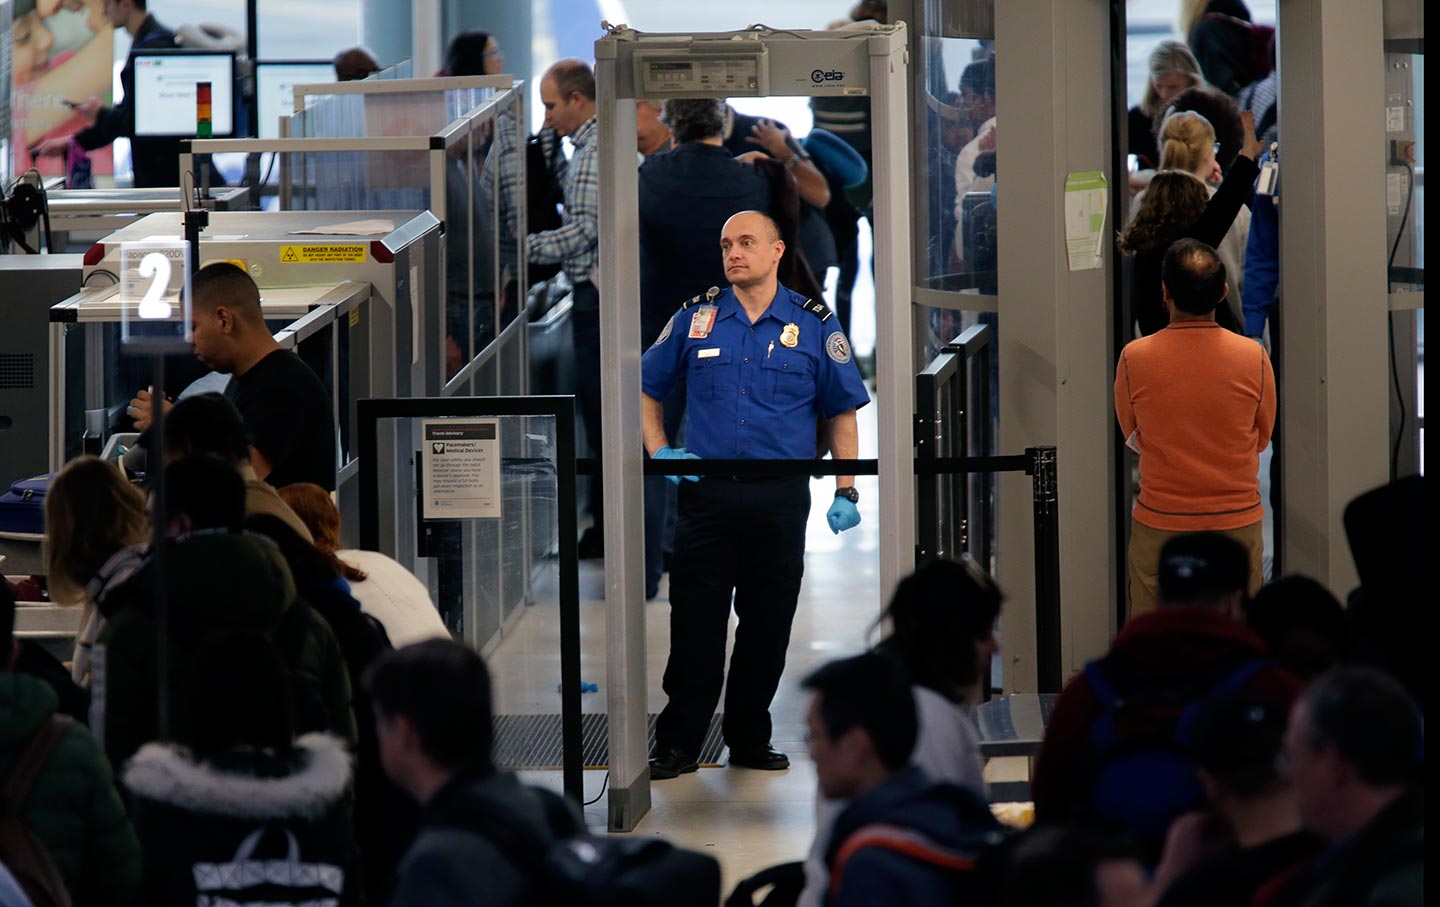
[747, 819]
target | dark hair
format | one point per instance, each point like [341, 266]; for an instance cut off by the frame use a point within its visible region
[466, 54]
[221, 283]
[1173, 201]
[694, 119]
[871, 692]
[573, 75]
[239, 695]
[308, 564]
[207, 424]
[7, 623]
[937, 615]
[1302, 624]
[1222, 112]
[1370, 719]
[1194, 275]
[1236, 740]
[1055, 867]
[979, 77]
[207, 490]
[1202, 568]
[443, 688]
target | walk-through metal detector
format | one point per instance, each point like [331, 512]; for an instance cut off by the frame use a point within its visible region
[755, 62]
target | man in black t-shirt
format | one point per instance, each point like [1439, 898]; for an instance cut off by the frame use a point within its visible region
[286, 409]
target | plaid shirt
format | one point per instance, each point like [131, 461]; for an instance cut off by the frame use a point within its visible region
[576, 242]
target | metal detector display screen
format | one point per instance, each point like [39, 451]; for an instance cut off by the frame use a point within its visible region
[165, 93]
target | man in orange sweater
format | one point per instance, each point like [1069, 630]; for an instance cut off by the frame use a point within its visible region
[1197, 402]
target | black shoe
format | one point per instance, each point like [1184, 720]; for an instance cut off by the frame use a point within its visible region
[764, 758]
[672, 762]
[592, 544]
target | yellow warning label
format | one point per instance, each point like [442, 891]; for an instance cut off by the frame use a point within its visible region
[354, 317]
[326, 254]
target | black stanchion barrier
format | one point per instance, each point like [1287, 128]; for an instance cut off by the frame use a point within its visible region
[370, 412]
[1037, 462]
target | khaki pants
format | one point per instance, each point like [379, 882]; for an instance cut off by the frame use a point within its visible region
[1144, 557]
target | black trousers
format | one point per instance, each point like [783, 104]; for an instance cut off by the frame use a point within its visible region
[740, 540]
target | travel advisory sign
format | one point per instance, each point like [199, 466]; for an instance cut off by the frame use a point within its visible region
[462, 469]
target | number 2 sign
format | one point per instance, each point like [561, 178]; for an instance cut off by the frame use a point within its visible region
[155, 295]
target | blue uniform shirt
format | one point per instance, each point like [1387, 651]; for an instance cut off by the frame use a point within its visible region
[748, 394]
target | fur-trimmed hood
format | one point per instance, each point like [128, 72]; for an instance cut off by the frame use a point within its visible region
[169, 774]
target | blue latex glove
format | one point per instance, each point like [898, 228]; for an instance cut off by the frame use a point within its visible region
[842, 515]
[671, 453]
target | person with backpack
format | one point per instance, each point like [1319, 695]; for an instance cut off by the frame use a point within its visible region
[904, 839]
[64, 834]
[216, 577]
[486, 838]
[432, 710]
[1116, 755]
[247, 813]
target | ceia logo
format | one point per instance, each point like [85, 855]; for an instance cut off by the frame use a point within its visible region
[821, 75]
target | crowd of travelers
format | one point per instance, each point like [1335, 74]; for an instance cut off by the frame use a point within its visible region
[252, 714]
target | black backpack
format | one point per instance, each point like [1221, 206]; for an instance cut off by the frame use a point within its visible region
[579, 869]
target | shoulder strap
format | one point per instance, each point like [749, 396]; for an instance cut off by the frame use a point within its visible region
[905, 841]
[708, 296]
[818, 309]
[30, 762]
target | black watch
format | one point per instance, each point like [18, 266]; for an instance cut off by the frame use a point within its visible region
[848, 493]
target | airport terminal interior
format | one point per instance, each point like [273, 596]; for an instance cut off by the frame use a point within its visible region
[679, 466]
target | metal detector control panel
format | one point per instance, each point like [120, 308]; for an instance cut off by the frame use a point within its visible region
[703, 72]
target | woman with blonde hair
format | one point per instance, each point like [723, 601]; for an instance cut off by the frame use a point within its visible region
[1188, 143]
[1173, 69]
[95, 527]
[1178, 205]
[385, 589]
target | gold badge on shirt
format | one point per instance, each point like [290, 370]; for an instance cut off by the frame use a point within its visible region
[790, 335]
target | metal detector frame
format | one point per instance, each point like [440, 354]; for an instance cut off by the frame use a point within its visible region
[869, 62]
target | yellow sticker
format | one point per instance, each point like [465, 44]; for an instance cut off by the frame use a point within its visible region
[354, 317]
[326, 254]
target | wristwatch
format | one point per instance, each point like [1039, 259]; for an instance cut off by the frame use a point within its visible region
[848, 493]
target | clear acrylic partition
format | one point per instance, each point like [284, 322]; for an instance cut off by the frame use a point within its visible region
[369, 152]
[1404, 151]
[477, 517]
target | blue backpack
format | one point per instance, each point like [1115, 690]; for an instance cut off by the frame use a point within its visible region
[1145, 775]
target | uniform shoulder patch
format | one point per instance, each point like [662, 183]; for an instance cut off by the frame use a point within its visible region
[837, 347]
[665, 334]
[818, 309]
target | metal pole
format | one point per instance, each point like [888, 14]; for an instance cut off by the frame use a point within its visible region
[1047, 570]
[572, 760]
[155, 473]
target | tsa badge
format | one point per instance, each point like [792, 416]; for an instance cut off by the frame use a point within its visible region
[837, 348]
[790, 335]
[702, 321]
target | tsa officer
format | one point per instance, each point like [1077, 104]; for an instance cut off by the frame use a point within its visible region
[761, 364]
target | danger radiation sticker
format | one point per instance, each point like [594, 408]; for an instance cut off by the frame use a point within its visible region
[327, 254]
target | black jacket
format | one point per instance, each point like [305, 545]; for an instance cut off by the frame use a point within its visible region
[277, 823]
[156, 160]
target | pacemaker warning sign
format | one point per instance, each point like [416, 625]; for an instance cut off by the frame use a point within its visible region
[331, 253]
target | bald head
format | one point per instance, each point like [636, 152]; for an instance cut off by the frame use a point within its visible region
[567, 91]
[751, 248]
[754, 221]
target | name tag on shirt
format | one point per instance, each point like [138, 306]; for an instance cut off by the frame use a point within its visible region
[701, 322]
[708, 354]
